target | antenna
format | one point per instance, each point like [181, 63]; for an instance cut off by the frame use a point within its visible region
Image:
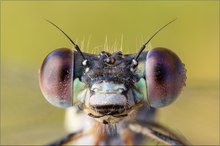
[143, 47]
[75, 45]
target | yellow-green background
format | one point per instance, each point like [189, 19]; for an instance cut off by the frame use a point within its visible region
[26, 38]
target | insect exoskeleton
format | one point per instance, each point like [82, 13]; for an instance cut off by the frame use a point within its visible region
[113, 88]
[108, 87]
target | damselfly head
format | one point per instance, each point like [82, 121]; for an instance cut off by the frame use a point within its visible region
[110, 86]
[111, 90]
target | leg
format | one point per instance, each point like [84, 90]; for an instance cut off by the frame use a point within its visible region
[165, 135]
[65, 139]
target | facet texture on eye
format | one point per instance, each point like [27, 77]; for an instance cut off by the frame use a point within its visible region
[165, 76]
[55, 77]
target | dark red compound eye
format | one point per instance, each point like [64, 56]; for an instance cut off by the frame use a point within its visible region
[56, 77]
[165, 76]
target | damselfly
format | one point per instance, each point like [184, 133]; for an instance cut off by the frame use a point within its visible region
[113, 96]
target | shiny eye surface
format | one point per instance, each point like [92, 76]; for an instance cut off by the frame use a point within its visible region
[56, 77]
[165, 76]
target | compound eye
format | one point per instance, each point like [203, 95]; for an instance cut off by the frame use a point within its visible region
[56, 77]
[165, 76]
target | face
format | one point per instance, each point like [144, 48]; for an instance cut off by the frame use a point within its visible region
[109, 87]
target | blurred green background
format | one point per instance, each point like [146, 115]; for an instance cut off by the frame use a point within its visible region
[26, 38]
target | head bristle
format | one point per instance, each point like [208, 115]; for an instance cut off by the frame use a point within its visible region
[121, 47]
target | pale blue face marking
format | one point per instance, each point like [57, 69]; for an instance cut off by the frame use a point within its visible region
[142, 94]
[80, 90]
[108, 87]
